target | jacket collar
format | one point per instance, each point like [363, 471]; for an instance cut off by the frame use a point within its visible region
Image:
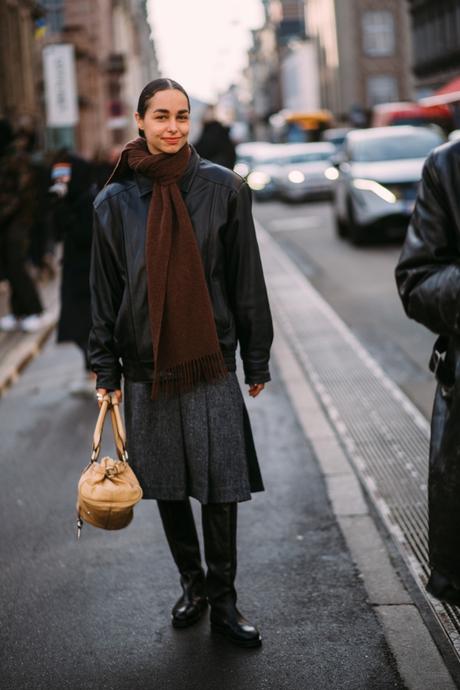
[145, 185]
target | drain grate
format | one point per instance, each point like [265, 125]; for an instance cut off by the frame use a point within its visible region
[386, 437]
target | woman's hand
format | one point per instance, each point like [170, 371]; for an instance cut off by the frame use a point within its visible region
[116, 394]
[255, 389]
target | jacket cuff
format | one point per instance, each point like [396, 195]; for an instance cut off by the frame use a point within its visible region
[108, 380]
[253, 377]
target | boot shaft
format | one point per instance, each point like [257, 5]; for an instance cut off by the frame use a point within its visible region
[219, 533]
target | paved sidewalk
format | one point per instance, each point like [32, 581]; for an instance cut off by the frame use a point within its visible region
[372, 445]
[18, 349]
[337, 606]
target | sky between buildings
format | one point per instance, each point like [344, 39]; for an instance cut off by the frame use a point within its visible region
[203, 43]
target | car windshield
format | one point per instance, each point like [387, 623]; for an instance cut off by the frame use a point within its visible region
[393, 148]
[309, 157]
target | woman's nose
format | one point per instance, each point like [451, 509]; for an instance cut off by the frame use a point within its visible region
[172, 126]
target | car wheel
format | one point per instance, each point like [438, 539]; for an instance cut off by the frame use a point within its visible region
[356, 232]
[341, 228]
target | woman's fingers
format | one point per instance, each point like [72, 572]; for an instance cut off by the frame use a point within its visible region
[255, 389]
[100, 393]
[118, 395]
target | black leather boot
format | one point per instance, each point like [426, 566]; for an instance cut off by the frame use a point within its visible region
[443, 589]
[219, 532]
[180, 530]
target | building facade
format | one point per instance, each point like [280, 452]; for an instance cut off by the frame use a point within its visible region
[19, 60]
[114, 59]
[436, 43]
[364, 54]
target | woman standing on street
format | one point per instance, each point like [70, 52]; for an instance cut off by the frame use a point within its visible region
[176, 283]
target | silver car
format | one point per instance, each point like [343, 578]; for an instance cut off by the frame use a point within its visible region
[305, 172]
[379, 172]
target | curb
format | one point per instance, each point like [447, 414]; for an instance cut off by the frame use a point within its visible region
[21, 355]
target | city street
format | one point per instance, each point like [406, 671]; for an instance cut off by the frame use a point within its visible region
[95, 614]
[359, 284]
[132, 136]
[334, 607]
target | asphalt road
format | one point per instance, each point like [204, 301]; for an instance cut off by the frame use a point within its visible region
[359, 284]
[95, 614]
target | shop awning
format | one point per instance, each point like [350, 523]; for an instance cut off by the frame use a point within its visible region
[449, 93]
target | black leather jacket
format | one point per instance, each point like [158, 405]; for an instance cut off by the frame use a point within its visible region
[428, 272]
[219, 203]
[428, 278]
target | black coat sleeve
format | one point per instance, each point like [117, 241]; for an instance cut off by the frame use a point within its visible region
[428, 271]
[106, 286]
[247, 291]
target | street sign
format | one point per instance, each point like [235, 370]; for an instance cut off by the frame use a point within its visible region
[60, 85]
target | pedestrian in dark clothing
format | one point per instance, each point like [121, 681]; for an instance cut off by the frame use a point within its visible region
[75, 191]
[215, 143]
[428, 278]
[18, 208]
[176, 282]
[41, 246]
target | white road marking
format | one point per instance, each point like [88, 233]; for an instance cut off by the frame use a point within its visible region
[297, 223]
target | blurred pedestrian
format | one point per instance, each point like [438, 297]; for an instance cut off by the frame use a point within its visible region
[176, 282]
[18, 208]
[74, 190]
[215, 143]
[428, 278]
[41, 248]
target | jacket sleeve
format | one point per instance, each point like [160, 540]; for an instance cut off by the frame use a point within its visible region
[247, 291]
[428, 271]
[106, 286]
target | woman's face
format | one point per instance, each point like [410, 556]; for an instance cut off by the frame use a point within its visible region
[166, 122]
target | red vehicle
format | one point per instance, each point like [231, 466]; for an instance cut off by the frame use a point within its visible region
[386, 114]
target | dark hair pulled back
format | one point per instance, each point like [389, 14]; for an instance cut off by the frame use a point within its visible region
[151, 89]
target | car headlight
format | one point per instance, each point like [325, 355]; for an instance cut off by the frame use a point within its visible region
[241, 169]
[376, 188]
[331, 173]
[258, 180]
[296, 176]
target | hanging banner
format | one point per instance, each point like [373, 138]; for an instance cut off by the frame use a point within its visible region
[60, 85]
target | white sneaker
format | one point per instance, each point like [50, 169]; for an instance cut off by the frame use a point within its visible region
[34, 322]
[9, 323]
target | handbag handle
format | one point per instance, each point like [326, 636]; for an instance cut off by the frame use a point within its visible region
[110, 403]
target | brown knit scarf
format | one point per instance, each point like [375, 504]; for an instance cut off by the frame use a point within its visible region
[186, 348]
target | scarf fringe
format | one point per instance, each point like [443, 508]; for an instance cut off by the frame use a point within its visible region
[186, 376]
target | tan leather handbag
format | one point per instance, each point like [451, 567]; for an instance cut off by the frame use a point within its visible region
[108, 490]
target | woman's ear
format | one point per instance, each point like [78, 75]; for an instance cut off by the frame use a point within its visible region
[139, 120]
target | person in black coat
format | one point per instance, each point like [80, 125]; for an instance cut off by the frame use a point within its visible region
[74, 192]
[428, 279]
[215, 143]
[176, 284]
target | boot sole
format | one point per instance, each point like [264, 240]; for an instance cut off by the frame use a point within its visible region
[187, 622]
[256, 642]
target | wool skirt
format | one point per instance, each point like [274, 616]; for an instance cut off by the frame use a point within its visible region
[196, 444]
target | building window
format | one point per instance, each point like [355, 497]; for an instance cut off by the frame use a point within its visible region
[382, 88]
[54, 15]
[378, 33]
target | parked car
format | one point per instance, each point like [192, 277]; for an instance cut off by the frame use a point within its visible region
[305, 172]
[378, 179]
[263, 169]
[246, 155]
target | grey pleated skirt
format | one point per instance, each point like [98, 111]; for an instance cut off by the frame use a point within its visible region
[197, 444]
